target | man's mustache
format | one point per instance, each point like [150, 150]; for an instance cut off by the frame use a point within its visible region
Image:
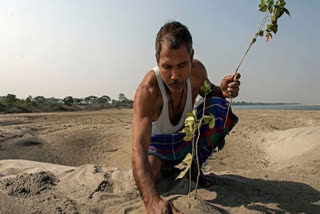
[173, 82]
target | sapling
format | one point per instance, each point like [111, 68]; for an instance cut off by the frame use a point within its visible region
[273, 11]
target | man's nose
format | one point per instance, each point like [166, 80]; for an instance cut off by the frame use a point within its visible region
[175, 74]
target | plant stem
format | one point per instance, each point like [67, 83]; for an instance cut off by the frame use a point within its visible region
[190, 181]
[245, 54]
[197, 156]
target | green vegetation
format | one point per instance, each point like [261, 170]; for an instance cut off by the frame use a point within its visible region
[191, 126]
[11, 104]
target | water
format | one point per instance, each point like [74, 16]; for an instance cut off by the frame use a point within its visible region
[277, 107]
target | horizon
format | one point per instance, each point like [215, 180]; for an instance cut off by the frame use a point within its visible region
[238, 102]
[83, 48]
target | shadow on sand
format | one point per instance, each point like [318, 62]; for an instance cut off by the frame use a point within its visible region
[254, 194]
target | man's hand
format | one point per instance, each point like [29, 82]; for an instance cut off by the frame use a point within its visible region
[162, 207]
[230, 86]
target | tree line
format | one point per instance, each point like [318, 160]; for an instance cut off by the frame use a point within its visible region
[11, 104]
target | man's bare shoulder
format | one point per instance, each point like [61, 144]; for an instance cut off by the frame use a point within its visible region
[147, 93]
[149, 85]
[198, 73]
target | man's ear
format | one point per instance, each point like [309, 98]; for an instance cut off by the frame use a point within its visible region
[191, 55]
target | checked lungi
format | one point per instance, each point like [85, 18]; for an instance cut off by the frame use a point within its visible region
[172, 147]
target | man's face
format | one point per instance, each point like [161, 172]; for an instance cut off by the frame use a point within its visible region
[175, 67]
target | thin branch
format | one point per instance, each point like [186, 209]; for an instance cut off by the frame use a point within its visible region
[198, 164]
[245, 54]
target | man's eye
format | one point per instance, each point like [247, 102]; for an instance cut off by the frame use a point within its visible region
[167, 67]
[182, 65]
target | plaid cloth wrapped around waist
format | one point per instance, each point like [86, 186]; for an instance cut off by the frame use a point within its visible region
[172, 147]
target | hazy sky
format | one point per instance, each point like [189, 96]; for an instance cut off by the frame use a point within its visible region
[80, 48]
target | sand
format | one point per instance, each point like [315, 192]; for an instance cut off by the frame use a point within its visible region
[79, 162]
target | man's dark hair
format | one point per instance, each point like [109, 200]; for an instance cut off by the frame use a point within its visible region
[174, 34]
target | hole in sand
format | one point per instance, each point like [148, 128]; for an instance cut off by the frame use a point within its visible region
[31, 143]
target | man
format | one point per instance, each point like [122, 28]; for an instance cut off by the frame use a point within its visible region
[162, 99]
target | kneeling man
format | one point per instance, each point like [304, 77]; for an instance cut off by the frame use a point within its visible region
[165, 95]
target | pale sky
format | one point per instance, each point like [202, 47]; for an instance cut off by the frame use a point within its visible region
[79, 48]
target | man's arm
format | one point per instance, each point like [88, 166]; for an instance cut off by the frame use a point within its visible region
[142, 123]
[200, 74]
[144, 107]
[228, 88]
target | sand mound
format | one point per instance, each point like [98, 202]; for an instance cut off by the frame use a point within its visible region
[29, 185]
[98, 189]
[293, 147]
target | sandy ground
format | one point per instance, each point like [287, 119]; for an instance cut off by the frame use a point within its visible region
[79, 162]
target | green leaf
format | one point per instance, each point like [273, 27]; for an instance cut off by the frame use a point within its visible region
[206, 119]
[262, 4]
[192, 114]
[281, 13]
[270, 34]
[277, 12]
[212, 124]
[270, 5]
[270, 8]
[206, 87]
[286, 11]
[260, 33]
[281, 3]
[275, 29]
[187, 161]
[273, 19]
[203, 89]
[264, 8]
[189, 114]
[269, 2]
[269, 27]
[188, 138]
[212, 121]
[189, 120]
[206, 84]
[196, 126]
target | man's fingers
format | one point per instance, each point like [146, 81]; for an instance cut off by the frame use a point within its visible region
[230, 85]
[232, 92]
[234, 84]
[232, 78]
[236, 77]
[228, 79]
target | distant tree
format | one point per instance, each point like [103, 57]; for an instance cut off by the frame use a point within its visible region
[77, 100]
[39, 99]
[29, 99]
[114, 102]
[90, 99]
[11, 98]
[68, 100]
[104, 99]
[122, 98]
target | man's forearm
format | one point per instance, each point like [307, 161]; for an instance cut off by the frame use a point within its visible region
[143, 178]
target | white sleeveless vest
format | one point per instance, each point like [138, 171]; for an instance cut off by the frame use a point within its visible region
[163, 124]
